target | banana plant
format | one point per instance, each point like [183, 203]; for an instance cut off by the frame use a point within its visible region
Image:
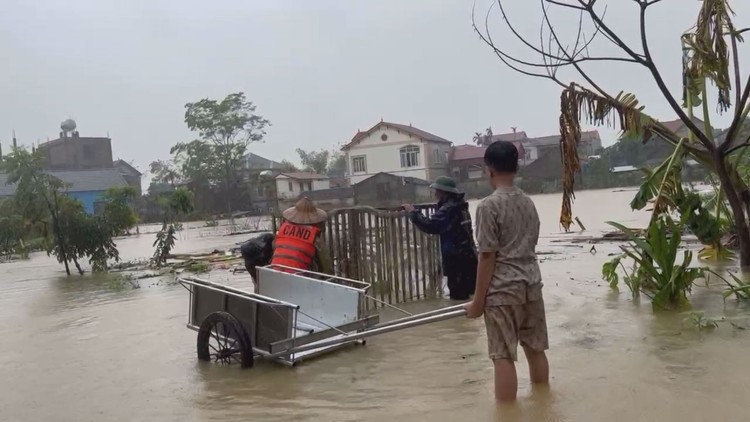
[656, 272]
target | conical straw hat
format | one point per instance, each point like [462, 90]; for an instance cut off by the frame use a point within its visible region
[304, 212]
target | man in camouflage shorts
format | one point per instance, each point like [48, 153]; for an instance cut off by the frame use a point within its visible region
[509, 283]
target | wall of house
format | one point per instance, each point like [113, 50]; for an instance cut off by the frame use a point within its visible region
[532, 154]
[437, 160]
[384, 155]
[135, 182]
[287, 188]
[88, 199]
[385, 191]
[78, 153]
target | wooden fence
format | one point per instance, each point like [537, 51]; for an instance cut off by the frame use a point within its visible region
[383, 248]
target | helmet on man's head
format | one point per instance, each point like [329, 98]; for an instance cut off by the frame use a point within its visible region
[304, 212]
[445, 184]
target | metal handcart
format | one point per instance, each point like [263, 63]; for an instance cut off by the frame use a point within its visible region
[295, 315]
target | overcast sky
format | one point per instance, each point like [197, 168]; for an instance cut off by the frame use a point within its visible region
[319, 70]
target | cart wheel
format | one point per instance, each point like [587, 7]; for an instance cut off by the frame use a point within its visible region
[222, 339]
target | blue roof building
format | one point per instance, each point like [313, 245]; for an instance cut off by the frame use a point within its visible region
[87, 186]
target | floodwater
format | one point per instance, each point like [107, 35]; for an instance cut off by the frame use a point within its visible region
[89, 349]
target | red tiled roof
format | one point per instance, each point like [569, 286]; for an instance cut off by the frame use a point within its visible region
[475, 152]
[467, 152]
[675, 125]
[510, 136]
[419, 133]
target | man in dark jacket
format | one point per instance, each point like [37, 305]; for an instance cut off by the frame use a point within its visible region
[452, 221]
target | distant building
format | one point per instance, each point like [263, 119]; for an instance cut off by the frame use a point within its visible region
[130, 174]
[73, 152]
[397, 149]
[327, 199]
[87, 186]
[256, 162]
[590, 144]
[292, 185]
[467, 161]
[385, 190]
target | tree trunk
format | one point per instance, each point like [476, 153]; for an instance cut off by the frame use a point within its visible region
[735, 202]
[227, 174]
[78, 266]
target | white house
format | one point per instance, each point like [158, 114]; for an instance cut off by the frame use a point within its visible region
[401, 150]
[291, 185]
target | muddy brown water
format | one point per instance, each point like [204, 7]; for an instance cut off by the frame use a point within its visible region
[87, 349]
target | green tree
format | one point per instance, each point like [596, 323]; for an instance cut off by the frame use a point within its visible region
[11, 228]
[34, 186]
[483, 139]
[40, 197]
[337, 165]
[118, 209]
[197, 163]
[178, 203]
[163, 172]
[227, 127]
[288, 167]
[314, 161]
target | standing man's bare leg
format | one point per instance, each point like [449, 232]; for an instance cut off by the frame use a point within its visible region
[506, 381]
[538, 366]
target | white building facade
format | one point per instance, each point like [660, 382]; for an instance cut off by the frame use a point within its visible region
[292, 185]
[396, 149]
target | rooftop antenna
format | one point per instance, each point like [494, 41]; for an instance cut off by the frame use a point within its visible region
[514, 129]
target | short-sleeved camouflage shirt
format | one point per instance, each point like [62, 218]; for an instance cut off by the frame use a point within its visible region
[507, 224]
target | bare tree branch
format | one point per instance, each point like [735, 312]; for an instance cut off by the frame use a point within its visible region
[612, 35]
[561, 4]
[553, 35]
[506, 58]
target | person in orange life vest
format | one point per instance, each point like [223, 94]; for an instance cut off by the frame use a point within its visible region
[299, 243]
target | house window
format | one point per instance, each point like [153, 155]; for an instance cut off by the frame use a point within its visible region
[439, 157]
[291, 187]
[409, 156]
[359, 164]
[309, 185]
[301, 187]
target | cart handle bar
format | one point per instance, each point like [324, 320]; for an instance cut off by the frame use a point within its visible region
[194, 281]
[399, 324]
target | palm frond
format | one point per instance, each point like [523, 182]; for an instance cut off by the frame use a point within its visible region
[576, 102]
[707, 52]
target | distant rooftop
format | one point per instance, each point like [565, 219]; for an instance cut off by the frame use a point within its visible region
[303, 176]
[79, 180]
[256, 162]
[419, 133]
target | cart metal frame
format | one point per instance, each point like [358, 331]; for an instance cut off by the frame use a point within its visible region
[295, 315]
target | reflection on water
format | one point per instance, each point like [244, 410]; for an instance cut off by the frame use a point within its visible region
[84, 349]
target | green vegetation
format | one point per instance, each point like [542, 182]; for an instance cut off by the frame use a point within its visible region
[119, 210]
[179, 203]
[41, 209]
[656, 273]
